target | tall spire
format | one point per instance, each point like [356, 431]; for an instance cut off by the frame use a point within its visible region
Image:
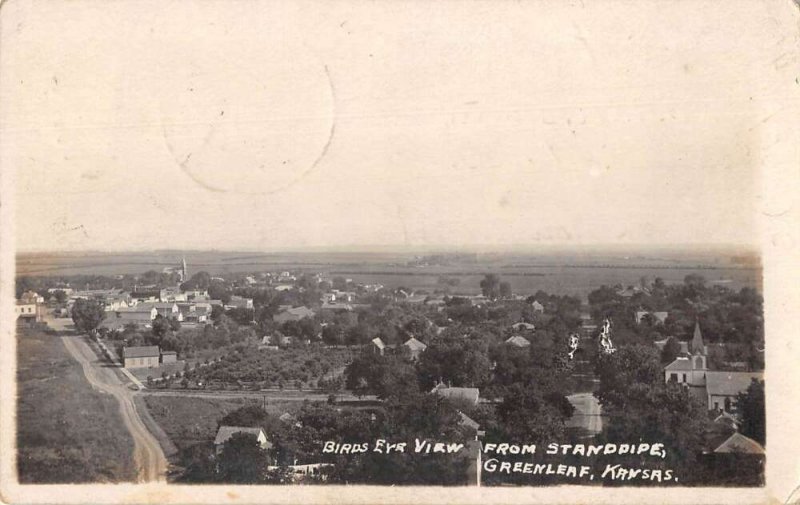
[698, 347]
[184, 274]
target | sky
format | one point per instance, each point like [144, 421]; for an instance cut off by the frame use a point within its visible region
[269, 125]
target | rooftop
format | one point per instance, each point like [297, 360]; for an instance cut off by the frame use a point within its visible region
[738, 443]
[147, 351]
[730, 383]
[226, 432]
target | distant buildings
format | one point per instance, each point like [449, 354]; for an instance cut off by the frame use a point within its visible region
[293, 314]
[657, 317]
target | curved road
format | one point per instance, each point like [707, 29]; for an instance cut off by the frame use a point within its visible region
[147, 454]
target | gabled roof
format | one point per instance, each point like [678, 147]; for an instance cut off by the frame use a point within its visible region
[467, 421]
[469, 394]
[730, 383]
[415, 345]
[147, 351]
[379, 343]
[697, 346]
[679, 365]
[738, 443]
[226, 432]
[141, 308]
[518, 341]
[527, 326]
[302, 311]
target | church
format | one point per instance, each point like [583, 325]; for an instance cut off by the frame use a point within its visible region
[718, 389]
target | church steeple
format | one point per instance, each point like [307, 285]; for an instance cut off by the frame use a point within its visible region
[698, 347]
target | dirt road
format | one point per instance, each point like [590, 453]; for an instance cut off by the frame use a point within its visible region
[148, 456]
[587, 413]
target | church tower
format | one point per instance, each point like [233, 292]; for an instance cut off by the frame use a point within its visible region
[698, 356]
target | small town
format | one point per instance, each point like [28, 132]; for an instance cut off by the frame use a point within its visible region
[290, 376]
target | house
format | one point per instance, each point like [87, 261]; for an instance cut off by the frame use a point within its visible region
[378, 346]
[415, 347]
[27, 314]
[172, 294]
[169, 357]
[739, 444]
[239, 302]
[537, 307]
[469, 395]
[168, 310]
[196, 294]
[140, 315]
[224, 433]
[523, 326]
[657, 317]
[194, 312]
[141, 357]
[118, 301]
[146, 295]
[518, 341]
[268, 343]
[336, 307]
[67, 290]
[722, 388]
[31, 297]
[294, 314]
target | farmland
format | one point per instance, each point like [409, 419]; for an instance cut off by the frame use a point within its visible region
[289, 367]
[554, 272]
[67, 432]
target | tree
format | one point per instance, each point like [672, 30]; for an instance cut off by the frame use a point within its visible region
[670, 351]
[160, 327]
[505, 289]
[199, 463]
[242, 460]
[60, 296]
[490, 286]
[750, 405]
[461, 362]
[200, 280]
[218, 291]
[87, 315]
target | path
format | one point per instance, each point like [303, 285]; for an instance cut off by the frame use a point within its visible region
[587, 413]
[270, 395]
[147, 454]
[65, 324]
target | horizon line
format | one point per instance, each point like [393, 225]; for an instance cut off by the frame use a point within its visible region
[427, 249]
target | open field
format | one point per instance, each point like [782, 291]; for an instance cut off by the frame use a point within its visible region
[67, 431]
[565, 273]
[191, 420]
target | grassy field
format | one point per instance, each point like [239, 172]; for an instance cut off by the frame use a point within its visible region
[188, 421]
[573, 272]
[66, 431]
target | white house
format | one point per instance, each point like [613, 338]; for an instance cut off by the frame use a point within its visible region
[226, 432]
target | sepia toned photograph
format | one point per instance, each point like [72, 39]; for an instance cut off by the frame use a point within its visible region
[461, 249]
